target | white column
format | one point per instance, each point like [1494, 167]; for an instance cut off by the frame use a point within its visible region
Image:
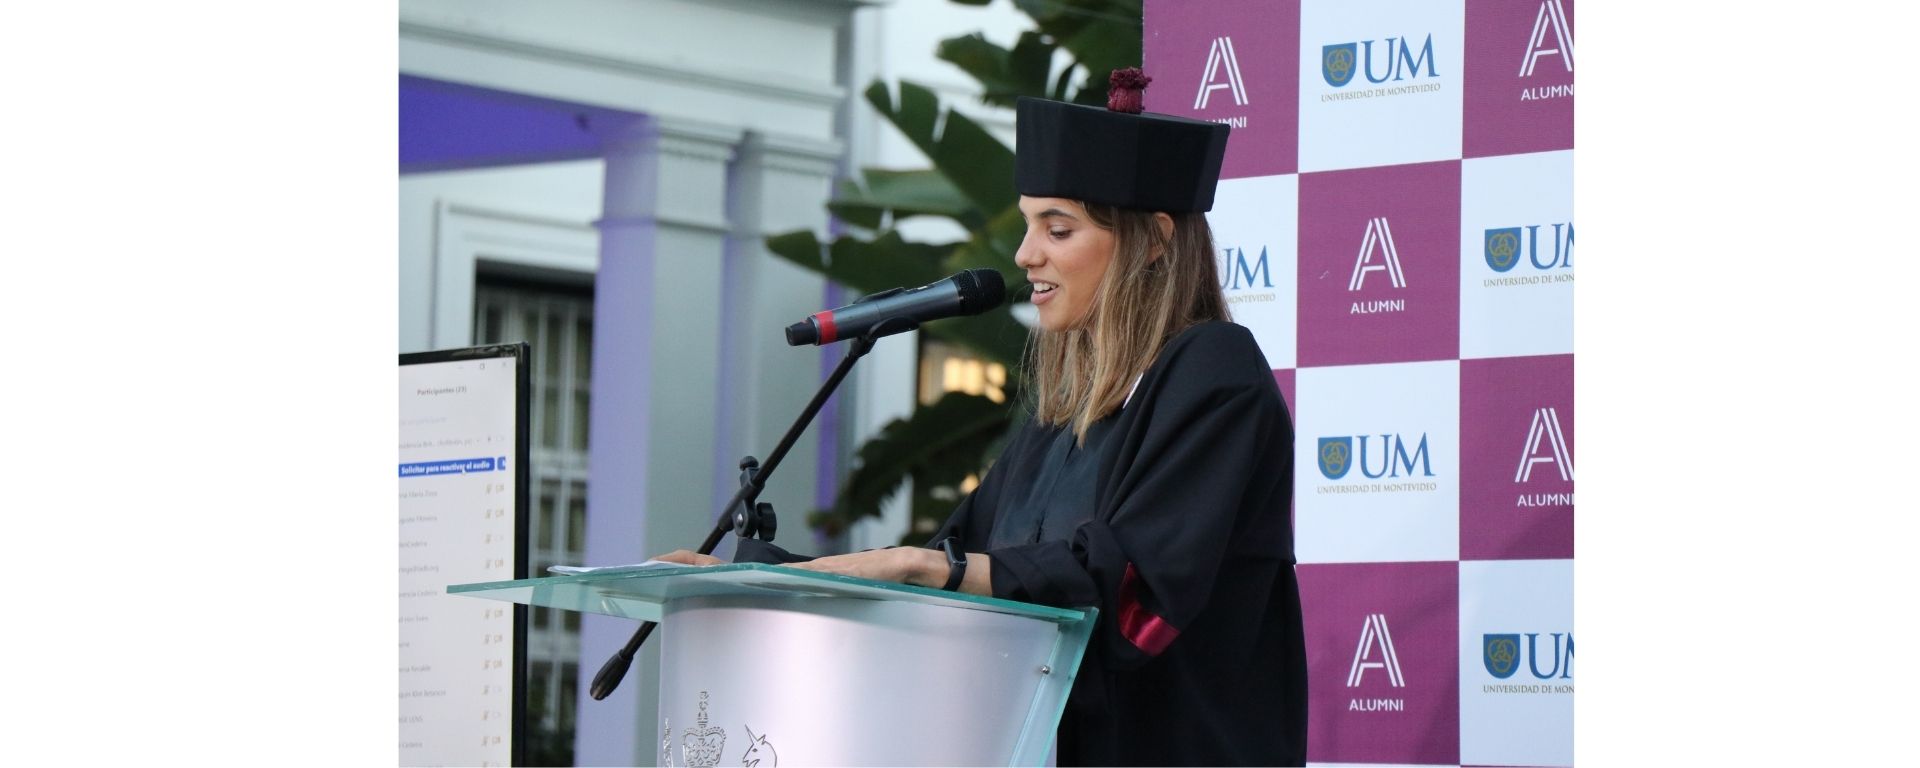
[656, 363]
[779, 185]
[886, 379]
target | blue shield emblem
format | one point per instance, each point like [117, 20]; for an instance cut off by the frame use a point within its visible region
[1501, 653]
[1336, 456]
[1336, 63]
[1503, 248]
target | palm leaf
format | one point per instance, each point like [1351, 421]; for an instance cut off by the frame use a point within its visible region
[1004, 75]
[970, 157]
[937, 446]
[866, 266]
[1102, 35]
[890, 261]
[903, 194]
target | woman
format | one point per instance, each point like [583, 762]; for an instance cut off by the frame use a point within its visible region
[1155, 476]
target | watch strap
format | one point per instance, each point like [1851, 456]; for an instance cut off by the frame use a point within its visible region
[956, 563]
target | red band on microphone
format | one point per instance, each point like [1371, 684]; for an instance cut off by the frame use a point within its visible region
[828, 333]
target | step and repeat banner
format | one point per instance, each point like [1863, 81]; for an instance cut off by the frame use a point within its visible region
[1395, 224]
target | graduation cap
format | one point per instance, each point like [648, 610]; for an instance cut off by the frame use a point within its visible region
[1117, 156]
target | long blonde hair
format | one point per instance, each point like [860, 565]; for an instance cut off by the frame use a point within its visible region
[1080, 375]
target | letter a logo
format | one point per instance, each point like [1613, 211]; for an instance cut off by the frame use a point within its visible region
[1373, 633]
[1220, 57]
[1552, 17]
[1379, 237]
[1546, 428]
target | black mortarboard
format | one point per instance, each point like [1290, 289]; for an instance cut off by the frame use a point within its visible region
[1146, 161]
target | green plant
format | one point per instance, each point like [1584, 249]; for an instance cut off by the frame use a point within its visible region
[971, 183]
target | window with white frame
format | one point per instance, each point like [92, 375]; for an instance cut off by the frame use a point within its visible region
[557, 321]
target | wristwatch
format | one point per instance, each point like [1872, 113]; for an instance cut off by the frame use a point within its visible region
[956, 563]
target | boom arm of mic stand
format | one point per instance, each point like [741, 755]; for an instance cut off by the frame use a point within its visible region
[616, 667]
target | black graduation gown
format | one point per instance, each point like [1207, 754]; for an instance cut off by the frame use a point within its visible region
[1199, 657]
[1187, 550]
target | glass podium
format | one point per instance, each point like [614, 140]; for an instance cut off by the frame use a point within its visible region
[778, 665]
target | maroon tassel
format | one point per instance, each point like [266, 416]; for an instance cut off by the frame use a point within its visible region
[1124, 89]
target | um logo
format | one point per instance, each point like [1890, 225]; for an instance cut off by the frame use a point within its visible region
[1501, 655]
[1374, 636]
[1378, 239]
[1504, 246]
[1337, 457]
[1552, 18]
[1544, 437]
[1234, 263]
[1398, 460]
[1221, 62]
[1338, 62]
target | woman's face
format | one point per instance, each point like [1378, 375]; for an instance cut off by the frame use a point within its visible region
[1065, 256]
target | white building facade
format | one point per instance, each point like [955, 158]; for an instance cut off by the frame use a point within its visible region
[626, 159]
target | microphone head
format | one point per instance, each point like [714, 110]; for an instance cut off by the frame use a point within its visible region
[980, 290]
[802, 332]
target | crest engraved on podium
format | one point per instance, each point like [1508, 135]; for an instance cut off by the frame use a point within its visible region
[666, 742]
[701, 745]
[758, 750]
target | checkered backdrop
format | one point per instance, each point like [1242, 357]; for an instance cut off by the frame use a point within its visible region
[1395, 224]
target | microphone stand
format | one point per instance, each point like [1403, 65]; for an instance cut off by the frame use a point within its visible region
[744, 514]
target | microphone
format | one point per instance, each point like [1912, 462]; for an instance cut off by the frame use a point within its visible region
[892, 311]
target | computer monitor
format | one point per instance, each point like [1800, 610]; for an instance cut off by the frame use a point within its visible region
[463, 488]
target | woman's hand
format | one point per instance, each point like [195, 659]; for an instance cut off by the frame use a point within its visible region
[690, 557]
[910, 565]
